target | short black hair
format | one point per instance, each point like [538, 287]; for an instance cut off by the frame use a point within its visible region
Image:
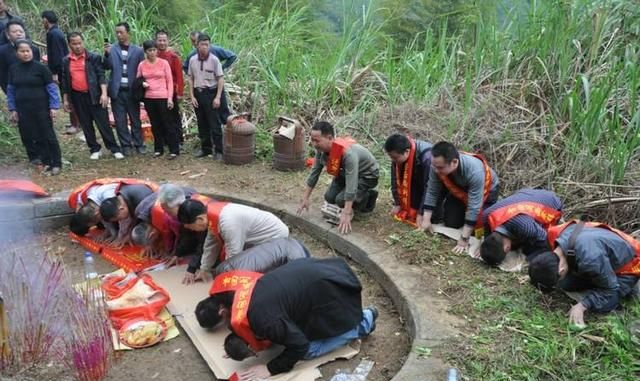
[79, 224]
[161, 31]
[397, 143]
[14, 22]
[148, 44]
[109, 208]
[325, 128]
[236, 348]
[203, 37]
[492, 249]
[543, 271]
[190, 210]
[50, 16]
[445, 150]
[21, 41]
[125, 25]
[73, 35]
[207, 309]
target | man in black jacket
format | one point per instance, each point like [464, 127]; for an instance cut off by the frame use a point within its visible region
[309, 306]
[13, 32]
[84, 87]
[5, 18]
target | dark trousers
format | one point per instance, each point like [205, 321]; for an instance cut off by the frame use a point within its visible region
[36, 126]
[124, 105]
[335, 192]
[454, 210]
[210, 119]
[162, 125]
[177, 119]
[28, 141]
[88, 114]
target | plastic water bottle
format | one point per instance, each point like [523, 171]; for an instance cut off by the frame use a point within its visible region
[90, 272]
[452, 374]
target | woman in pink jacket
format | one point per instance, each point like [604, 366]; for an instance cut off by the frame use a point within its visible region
[158, 100]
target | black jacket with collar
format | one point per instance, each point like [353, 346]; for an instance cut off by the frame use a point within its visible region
[94, 71]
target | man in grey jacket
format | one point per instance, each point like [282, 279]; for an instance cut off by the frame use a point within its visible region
[264, 257]
[123, 60]
[464, 184]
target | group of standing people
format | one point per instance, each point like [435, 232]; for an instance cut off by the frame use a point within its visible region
[85, 83]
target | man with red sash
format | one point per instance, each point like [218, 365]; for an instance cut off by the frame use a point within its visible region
[462, 184]
[410, 165]
[309, 306]
[87, 199]
[519, 221]
[355, 174]
[230, 228]
[590, 257]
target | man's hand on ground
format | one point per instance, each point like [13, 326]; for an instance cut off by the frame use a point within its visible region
[462, 246]
[255, 373]
[345, 222]
[576, 315]
[395, 210]
[172, 261]
[304, 206]
[188, 278]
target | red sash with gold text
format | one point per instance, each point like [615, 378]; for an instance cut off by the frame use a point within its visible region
[403, 187]
[243, 283]
[335, 155]
[214, 208]
[630, 268]
[543, 214]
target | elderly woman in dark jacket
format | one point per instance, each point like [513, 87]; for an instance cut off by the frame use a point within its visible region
[33, 101]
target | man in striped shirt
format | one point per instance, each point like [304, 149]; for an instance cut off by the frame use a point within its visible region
[519, 221]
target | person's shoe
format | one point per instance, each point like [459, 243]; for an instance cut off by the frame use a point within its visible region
[36, 162]
[71, 130]
[95, 155]
[141, 150]
[55, 171]
[172, 156]
[157, 154]
[126, 151]
[201, 154]
[217, 156]
[375, 313]
[118, 155]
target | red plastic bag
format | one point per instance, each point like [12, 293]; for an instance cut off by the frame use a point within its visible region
[113, 290]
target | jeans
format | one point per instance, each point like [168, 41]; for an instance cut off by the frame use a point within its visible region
[318, 348]
[124, 105]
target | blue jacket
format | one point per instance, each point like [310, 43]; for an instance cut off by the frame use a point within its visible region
[113, 62]
[226, 57]
[56, 49]
[598, 254]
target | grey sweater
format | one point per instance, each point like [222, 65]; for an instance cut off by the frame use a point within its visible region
[264, 257]
[357, 162]
[470, 177]
[241, 227]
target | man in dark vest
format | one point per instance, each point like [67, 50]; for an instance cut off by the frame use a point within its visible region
[121, 209]
[590, 257]
[410, 166]
[519, 221]
[309, 306]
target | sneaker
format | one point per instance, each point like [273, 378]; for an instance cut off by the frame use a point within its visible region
[36, 162]
[201, 154]
[95, 155]
[157, 154]
[141, 150]
[172, 156]
[71, 130]
[118, 155]
[375, 313]
[217, 156]
[126, 151]
[55, 171]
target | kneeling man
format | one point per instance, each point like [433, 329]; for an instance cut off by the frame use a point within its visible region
[309, 306]
[590, 257]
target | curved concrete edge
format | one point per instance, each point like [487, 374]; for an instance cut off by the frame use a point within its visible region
[424, 314]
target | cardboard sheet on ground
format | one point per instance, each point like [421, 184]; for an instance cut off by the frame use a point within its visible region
[514, 261]
[210, 343]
